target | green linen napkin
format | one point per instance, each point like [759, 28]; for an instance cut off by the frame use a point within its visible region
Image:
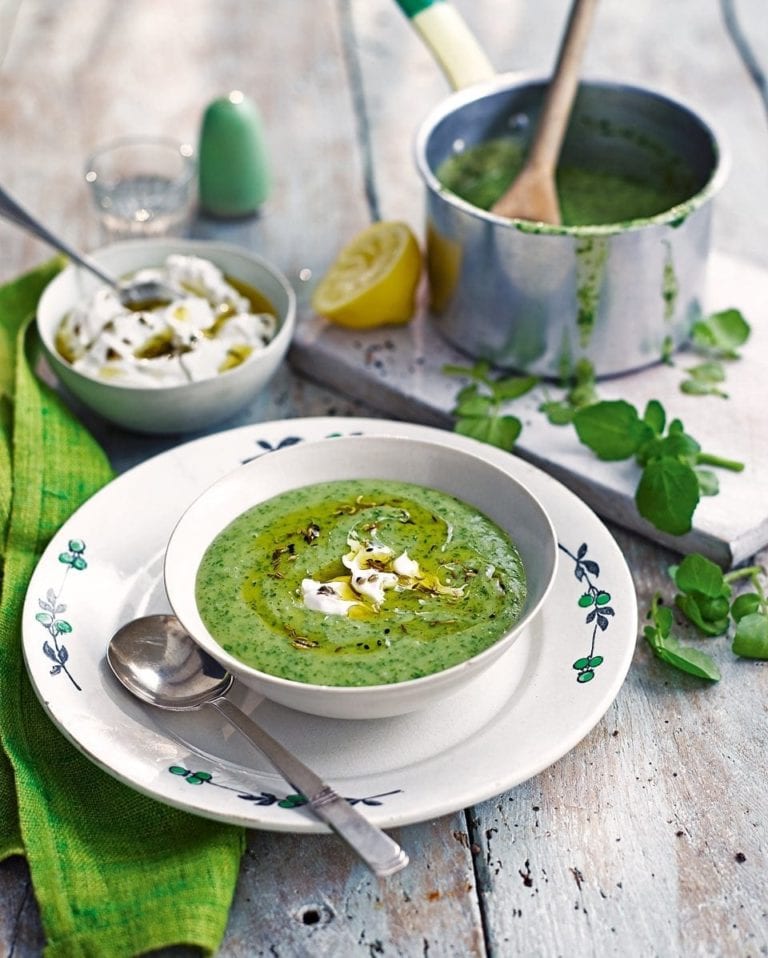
[114, 873]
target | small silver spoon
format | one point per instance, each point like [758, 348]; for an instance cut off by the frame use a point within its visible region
[156, 659]
[131, 294]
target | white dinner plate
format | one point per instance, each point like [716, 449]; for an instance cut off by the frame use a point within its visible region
[104, 567]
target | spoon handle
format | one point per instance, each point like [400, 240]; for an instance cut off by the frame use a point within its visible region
[12, 211]
[382, 855]
[561, 92]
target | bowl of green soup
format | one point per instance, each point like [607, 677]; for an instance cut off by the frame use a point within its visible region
[360, 577]
[621, 281]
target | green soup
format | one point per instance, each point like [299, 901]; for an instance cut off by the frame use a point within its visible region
[359, 583]
[588, 196]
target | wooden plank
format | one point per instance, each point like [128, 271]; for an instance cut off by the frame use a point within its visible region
[20, 931]
[649, 838]
[306, 897]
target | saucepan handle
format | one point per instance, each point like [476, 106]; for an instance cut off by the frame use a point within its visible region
[450, 41]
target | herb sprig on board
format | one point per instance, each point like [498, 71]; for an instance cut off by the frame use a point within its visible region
[580, 392]
[674, 471]
[718, 337]
[705, 598]
[478, 405]
[672, 478]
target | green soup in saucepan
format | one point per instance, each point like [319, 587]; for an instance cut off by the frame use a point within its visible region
[359, 582]
[588, 196]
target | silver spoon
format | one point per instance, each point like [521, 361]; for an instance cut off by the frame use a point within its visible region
[156, 659]
[131, 294]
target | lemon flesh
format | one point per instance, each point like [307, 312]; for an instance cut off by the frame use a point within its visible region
[373, 280]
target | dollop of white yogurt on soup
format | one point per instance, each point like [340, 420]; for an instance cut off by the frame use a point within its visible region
[208, 329]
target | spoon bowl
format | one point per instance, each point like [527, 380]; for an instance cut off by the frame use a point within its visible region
[132, 295]
[156, 660]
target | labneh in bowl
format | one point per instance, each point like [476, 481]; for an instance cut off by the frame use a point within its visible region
[375, 462]
[189, 405]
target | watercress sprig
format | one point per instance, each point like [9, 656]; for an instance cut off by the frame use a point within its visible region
[721, 334]
[704, 597]
[670, 650]
[581, 391]
[478, 405]
[718, 337]
[672, 480]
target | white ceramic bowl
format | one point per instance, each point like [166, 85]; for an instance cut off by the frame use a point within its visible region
[185, 407]
[470, 478]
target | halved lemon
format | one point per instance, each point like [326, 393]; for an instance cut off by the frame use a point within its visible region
[373, 280]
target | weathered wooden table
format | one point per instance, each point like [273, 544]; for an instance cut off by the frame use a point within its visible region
[649, 838]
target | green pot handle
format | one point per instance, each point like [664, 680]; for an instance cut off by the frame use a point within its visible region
[450, 41]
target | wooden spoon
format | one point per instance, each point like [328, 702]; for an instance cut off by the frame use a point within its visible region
[533, 193]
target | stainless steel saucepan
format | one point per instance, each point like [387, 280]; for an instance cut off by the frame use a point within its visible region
[538, 298]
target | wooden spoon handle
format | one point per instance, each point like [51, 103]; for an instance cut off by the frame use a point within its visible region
[553, 122]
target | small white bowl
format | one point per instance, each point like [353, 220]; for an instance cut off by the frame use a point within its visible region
[467, 477]
[179, 408]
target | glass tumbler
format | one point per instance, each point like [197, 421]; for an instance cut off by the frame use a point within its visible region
[142, 186]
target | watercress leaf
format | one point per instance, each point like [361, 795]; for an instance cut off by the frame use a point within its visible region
[451, 369]
[474, 426]
[687, 659]
[582, 391]
[466, 392]
[480, 370]
[709, 484]
[750, 640]
[709, 372]
[703, 616]
[652, 636]
[697, 573]
[722, 332]
[512, 387]
[504, 432]
[661, 616]
[676, 445]
[664, 620]
[704, 380]
[667, 495]
[501, 431]
[700, 387]
[655, 416]
[558, 413]
[581, 395]
[611, 428]
[714, 610]
[745, 604]
[473, 405]
[702, 336]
